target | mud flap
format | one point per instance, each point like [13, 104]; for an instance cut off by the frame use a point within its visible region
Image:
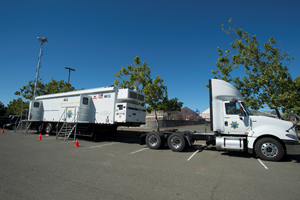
[142, 139]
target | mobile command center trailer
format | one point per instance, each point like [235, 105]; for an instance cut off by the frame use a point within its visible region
[87, 111]
[235, 128]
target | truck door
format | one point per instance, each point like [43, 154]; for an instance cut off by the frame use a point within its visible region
[84, 110]
[236, 120]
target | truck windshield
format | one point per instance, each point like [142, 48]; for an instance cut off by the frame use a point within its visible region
[246, 108]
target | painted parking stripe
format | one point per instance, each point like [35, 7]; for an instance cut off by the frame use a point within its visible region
[262, 164]
[195, 153]
[112, 143]
[102, 145]
[139, 150]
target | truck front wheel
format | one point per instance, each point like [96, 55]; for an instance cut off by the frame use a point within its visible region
[269, 149]
[154, 140]
[176, 142]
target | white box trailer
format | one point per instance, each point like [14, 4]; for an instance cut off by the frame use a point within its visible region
[88, 111]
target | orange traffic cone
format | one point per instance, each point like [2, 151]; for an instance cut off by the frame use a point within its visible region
[2, 130]
[76, 143]
[40, 137]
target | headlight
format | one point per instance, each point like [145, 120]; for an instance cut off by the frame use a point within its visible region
[294, 137]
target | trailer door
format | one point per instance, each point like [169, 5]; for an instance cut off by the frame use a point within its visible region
[120, 112]
[84, 110]
[36, 110]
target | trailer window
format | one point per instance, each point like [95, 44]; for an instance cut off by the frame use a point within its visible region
[85, 101]
[36, 104]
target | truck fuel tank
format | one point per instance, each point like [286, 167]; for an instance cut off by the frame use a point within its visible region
[230, 143]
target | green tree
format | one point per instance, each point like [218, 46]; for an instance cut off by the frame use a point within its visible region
[58, 86]
[16, 106]
[267, 80]
[154, 90]
[27, 90]
[2, 109]
[127, 75]
[293, 107]
[50, 88]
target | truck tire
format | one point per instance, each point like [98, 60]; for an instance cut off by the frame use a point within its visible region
[154, 140]
[40, 128]
[48, 129]
[176, 142]
[269, 149]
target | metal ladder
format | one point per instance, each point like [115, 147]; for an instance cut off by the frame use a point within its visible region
[67, 128]
[23, 122]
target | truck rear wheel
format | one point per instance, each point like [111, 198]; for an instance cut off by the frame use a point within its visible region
[154, 140]
[176, 142]
[269, 149]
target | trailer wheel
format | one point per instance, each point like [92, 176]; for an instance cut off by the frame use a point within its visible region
[154, 140]
[48, 129]
[176, 142]
[269, 149]
[40, 128]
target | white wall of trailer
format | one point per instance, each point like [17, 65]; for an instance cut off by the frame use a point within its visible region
[102, 107]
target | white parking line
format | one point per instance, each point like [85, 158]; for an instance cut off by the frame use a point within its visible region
[195, 153]
[139, 150]
[102, 145]
[262, 163]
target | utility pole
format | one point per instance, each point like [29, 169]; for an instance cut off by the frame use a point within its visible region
[43, 41]
[70, 69]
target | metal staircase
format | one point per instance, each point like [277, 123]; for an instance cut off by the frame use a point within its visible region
[68, 127]
[23, 124]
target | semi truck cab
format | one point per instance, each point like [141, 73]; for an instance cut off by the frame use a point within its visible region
[266, 136]
[234, 128]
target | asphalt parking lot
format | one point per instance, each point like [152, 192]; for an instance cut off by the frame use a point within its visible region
[122, 169]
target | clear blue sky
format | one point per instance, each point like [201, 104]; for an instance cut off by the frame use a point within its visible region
[178, 40]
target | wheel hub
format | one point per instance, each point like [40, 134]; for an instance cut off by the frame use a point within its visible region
[269, 149]
[175, 142]
[153, 140]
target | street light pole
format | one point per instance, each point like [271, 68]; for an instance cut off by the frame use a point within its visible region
[70, 69]
[43, 41]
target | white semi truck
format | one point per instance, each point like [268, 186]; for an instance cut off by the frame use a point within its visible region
[87, 111]
[234, 128]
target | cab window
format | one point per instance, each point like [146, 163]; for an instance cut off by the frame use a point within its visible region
[233, 108]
